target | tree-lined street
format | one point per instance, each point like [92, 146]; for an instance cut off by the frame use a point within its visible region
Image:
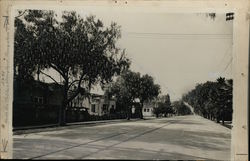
[181, 137]
[72, 67]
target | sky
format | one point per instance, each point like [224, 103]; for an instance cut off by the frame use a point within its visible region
[178, 49]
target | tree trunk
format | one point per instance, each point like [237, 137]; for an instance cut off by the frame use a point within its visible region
[62, 112]
[141, 114]
[223, 118]
[218, 120]
[128, 113]
[38, 73]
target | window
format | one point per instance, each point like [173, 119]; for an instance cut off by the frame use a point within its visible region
[144, 109]
[93, 108]
[105, 108]
[38, 100]
[148, 110]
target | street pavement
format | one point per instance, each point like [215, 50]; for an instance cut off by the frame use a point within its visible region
[177, 138]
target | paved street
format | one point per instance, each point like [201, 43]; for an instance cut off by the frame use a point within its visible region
[183, 137]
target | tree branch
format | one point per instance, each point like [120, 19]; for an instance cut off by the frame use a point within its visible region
[58, 70]
[21, 14]
[78, 89]
[73, 83]
[49, 77]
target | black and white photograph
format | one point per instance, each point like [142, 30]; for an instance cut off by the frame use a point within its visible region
[101, 82]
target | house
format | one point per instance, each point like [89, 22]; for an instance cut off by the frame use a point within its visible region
[81, 107]
[148, 108]
[95, 104]
[80, 102]
[36, 102]
[100, 105]
[38, 93]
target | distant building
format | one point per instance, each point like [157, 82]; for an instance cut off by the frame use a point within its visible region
[100, 104]
[148, 108]
[95, 104]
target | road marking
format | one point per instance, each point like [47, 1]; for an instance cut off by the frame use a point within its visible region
[76, 146]
[135, 149]
[131, 138]
[104, 138]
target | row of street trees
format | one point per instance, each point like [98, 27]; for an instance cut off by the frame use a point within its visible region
[180, 108]
[81, 50]
[212, 100]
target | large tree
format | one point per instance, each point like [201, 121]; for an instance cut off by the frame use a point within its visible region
[125, 89]
[81, 50]
[148, 90]
[131, 86]
[163, 106]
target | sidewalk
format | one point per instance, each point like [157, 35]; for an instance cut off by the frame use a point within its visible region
[227, 125]
[53, 127]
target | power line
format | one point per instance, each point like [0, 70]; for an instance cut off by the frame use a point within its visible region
[158, 33]
[178, 35]
[226, 53]
[172, 38]
[223, 58]
[228, 64]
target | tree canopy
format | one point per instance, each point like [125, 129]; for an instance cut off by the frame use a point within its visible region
[163, 106]
[180, 108]
[212, 100]
[82, 50]
[131, 86]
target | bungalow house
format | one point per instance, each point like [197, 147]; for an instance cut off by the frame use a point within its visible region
[100, 104]
[95, 104]
[148, 108]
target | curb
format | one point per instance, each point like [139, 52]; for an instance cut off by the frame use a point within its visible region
[54, 127]
[229, 126]
[225, 126]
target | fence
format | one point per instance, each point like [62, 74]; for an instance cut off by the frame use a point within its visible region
[30, 114]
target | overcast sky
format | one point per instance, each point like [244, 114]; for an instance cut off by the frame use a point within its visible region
[177, 49]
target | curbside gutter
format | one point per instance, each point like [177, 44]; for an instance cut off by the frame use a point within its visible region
[226, 125]
[54, 127]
